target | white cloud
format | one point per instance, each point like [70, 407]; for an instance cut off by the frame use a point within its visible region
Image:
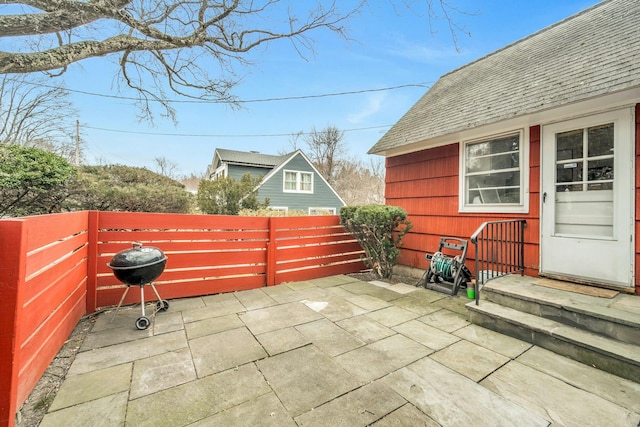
[372, 106]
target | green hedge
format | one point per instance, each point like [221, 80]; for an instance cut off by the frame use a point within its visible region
[379, 229]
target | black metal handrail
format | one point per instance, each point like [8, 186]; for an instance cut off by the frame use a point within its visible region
[499, 250]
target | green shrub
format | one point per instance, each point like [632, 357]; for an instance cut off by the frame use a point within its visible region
[379, 229]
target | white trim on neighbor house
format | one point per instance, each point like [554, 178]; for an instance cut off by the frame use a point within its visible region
[487, 197]
[299, 182]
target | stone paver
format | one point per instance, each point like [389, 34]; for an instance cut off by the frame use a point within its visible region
[556, 400]
[161, 372]
[615, 389]
[106, 411]
[265, 411]
[360, 407]
[93, 385]
[255, 299]
[445, 320]
[213, 325]
[213, 308]
[329, 338]
[331, 351]
[278, 317]
[365, 329]
[455, 400]
[306, 378]
[392, 316]
[127, 352]
[470, 360]
[276, 342]
[382, 357]
[224, 350]
[199, 399]
[507, 346]
[426, 335]
[406, 416]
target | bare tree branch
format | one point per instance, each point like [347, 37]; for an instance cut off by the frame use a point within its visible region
[188, 47]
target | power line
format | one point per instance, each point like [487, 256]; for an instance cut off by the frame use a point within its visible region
[242, 101]
[195, 135]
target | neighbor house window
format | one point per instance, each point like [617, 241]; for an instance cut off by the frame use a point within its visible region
[492, 173]
[298, 182]
[322, 211]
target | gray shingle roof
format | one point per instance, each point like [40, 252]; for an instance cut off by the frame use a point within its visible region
[250, 158]
[593, 53]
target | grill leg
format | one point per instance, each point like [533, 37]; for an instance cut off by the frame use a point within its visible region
[142, 299]
[120, 303]
[155, 291]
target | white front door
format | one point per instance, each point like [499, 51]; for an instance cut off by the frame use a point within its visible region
[587, 199]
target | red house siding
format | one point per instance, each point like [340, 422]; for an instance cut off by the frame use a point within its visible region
[425, 183]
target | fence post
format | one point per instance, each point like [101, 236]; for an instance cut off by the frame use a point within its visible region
[13, 254]
[271, 253]
[92, 261]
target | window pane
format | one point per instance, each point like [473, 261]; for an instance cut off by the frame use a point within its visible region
[600, 140]
[600, 186]
[506, 145]
[574, 187]
[305, 184]
[492, 170]
[569, 145]
[569, 172]
[600, 169]
[290, 179]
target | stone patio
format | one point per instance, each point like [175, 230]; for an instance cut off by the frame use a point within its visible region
[334, 351]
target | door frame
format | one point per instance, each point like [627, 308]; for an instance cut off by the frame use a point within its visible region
[626, 114]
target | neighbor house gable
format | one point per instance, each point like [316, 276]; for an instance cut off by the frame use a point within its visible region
[322, 196]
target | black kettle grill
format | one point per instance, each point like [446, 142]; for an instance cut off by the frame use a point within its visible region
[140, 266]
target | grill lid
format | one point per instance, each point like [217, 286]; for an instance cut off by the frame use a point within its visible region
[137, 257]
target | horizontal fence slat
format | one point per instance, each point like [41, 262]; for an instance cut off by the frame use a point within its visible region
[38, 308]
[320, 271]
[60, 249]
[38, 283]
[304, 263]
[110, 249]
[45, 229]
[154, 237]
[158, 221]
[318, 251]
[297, 233]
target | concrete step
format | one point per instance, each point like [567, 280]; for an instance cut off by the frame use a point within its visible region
[610, 355]
[609, 317]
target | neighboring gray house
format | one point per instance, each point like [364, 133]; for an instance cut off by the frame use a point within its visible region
[290, 181]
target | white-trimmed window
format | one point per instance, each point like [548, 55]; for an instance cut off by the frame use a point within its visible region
[298, 182]
[322, 211]
[493, 172]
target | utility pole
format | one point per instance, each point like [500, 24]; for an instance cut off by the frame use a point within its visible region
[77, 142]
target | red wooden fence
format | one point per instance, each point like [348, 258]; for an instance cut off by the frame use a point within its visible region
[53, 269]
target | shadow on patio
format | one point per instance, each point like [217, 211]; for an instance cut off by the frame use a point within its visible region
[327, 352]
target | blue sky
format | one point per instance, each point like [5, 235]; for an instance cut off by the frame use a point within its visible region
[388, 49]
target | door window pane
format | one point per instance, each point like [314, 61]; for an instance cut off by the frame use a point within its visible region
[569, 145]
[601, 140]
